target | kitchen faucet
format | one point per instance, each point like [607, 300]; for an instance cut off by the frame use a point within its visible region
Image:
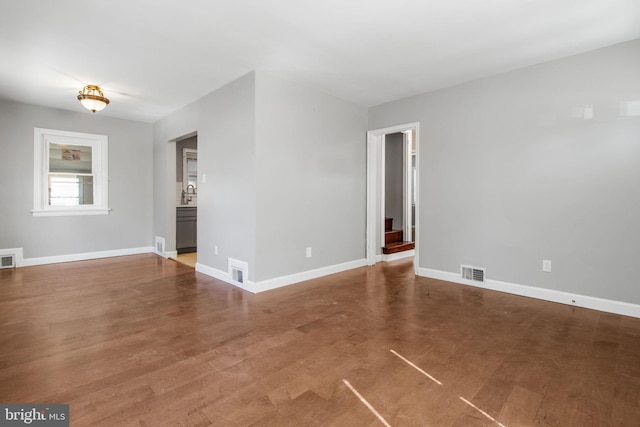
[186, 198]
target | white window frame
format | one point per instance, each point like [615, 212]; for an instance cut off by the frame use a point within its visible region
[186, 154]
[100, 168]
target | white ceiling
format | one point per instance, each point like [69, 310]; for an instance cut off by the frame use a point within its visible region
[152, 57]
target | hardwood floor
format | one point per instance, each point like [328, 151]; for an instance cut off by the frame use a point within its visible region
[189, 258]
[143, 341]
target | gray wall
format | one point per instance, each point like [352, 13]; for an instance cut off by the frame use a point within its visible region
[511, 173]
[393, 179]
[311, 178]
[285, 169]
[128, 225]
[224, 121]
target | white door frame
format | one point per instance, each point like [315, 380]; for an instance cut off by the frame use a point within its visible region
[375, 189]
[407, 185]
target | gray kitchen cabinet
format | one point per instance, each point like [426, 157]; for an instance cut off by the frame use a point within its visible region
[186, 229]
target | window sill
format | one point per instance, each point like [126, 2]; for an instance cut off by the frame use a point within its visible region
[70, 212]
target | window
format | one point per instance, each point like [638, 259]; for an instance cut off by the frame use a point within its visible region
[70, 173]
[189, 167]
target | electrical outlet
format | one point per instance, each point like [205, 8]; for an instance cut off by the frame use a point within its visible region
[546, 266]
[309, 252]
[215, 249]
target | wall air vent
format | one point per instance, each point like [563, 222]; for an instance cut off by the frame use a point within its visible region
[238, 275]
[7, 261]
[11, 258]
[472, 273]
[238, 270]
[160, 245]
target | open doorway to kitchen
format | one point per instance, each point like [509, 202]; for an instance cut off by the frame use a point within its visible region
[186, 199]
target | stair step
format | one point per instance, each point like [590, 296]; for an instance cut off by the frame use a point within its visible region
[388, 224]
[393, 248]
[392, 236]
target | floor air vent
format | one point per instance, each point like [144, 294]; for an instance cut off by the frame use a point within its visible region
[238, 270]
[472, 273]
[7, 261]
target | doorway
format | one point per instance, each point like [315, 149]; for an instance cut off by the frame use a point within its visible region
[376, 194]
[186, 199]
[399, 197]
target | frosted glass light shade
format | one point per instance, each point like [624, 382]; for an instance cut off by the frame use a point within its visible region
[92, 98]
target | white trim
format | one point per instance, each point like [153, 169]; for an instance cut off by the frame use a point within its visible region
[170, 201]
[63, 212]
[100, 170]
[407, 190]
[398, 256]
[215, 273]
[170, 254]
[16, 252]
[185, 172]
[577, 300]
[382, 194]
[29, 262]
[278, 282]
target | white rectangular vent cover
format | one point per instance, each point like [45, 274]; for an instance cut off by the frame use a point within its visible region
[7, 261]
[160, 245]
[472, 273]
[238, 270]
[238, 275]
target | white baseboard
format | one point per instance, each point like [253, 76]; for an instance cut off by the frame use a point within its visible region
[28, 262]
[214, 272]
[167, 254]
[576, 300]
[398, 255]
[279, 282]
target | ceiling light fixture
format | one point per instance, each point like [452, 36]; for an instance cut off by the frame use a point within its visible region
[92, 98]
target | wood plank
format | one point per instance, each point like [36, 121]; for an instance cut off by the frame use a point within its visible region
[521, 407]
[143, 341]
